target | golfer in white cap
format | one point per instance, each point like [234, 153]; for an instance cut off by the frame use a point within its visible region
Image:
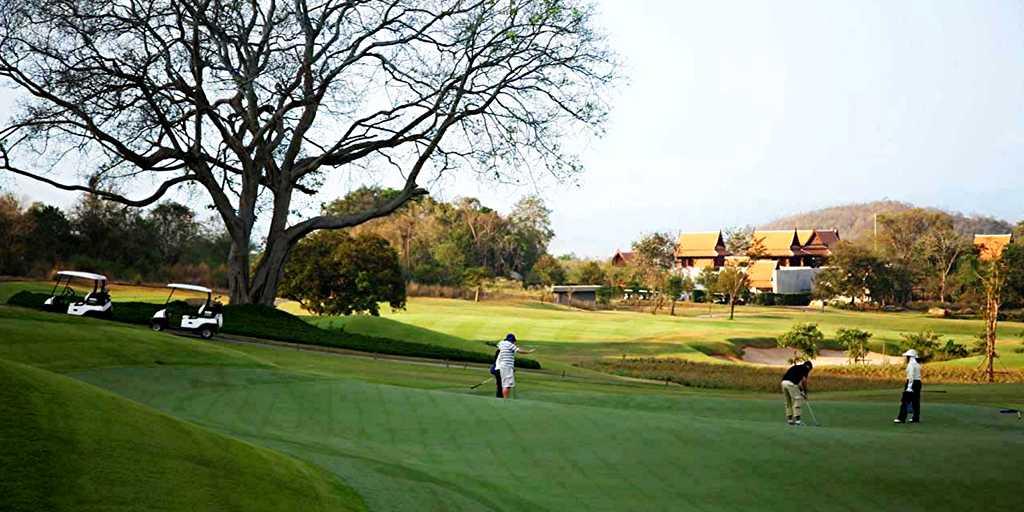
[912, 391]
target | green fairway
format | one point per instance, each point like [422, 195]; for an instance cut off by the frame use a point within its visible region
[403, 447]
[575, 335]
[412, 436]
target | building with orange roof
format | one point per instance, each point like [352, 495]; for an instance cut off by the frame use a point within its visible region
[782, 245]
[991, 247]
[621, 258]
[761, 274]
[700, 250]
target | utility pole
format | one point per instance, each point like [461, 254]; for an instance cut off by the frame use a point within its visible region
[875, 237]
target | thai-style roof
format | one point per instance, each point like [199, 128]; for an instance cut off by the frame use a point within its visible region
[625, 257]
[990, 247]
[778, 243]
[821, 242]
[760, 272]
[700, 245]
[804, 236]
[737, 261]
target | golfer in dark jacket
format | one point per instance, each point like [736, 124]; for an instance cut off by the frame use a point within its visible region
[497, 375]
[794, 388]
[911, 397]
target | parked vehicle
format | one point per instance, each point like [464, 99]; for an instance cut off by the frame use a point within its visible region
[205, 321]
[66, 299]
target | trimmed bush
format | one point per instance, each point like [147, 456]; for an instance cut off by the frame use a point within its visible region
[759, 378]
[273, 324]
[781, 299]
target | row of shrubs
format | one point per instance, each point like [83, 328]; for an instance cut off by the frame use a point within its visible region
[766, 379]
[273, 324]
[781, 299]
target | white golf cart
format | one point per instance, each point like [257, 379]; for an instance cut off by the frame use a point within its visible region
[66, 299]
[205, 321]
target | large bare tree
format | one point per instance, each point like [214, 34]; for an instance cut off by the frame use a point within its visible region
[251, 102]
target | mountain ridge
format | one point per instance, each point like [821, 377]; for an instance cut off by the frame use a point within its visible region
[856, 220]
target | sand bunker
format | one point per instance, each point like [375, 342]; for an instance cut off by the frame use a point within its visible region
[781, 356]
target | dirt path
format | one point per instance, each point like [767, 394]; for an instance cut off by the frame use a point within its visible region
[781, 356]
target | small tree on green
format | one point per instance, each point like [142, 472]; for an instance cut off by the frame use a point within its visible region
[856, 343]
[674, 288]
[926, 343]
[804, 339]
[732, 282]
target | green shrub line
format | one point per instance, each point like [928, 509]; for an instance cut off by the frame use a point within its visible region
[273, 324]
[766, 379]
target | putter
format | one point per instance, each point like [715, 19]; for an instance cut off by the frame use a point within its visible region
[485, 381]
[1020, 416]
[811, 410]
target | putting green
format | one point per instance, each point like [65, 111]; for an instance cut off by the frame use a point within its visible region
[410, 436]
[406, 448]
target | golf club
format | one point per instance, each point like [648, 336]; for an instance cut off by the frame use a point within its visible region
[488, 379]
[1020, 416]
[811, 410]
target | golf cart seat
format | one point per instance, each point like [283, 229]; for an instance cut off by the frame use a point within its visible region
[211, 311]
[97, 298]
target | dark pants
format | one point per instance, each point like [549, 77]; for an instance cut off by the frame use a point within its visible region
[497, 382]
[911, 399]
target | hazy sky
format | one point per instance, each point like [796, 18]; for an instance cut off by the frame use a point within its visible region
[738, 112]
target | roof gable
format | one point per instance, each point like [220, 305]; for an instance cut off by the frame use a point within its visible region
[708, 244]
[778, 243]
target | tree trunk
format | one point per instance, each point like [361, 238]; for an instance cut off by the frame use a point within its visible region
[476, 295]
[732, 306]
[672, 312]
[991, 324]
[942, 288]
[269, 271]
[238, 271]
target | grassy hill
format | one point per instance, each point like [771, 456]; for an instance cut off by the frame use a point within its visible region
[856, 221]
[71, 446]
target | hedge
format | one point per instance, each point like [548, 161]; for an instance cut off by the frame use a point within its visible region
[273, 324]
[782, 299]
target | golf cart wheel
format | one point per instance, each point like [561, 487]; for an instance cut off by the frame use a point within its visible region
[156, 326]
[205, 333]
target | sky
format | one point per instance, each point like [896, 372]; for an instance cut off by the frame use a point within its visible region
[737, 112]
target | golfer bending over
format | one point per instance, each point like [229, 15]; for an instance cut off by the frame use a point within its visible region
[794, 389]
[912, 391]
[506, 363]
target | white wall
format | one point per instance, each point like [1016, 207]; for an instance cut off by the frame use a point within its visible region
[794, 279]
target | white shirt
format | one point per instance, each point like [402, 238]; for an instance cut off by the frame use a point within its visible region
[913, 371]
[506, 355]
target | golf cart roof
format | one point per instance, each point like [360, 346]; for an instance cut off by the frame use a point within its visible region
[193, 287]
[82, 275]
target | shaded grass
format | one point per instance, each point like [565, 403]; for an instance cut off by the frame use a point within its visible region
[64, 343]
[70, 446]
[269, 323]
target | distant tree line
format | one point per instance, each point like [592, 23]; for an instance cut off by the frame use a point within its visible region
[459, 243]
[165, 242]
[917, 255]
